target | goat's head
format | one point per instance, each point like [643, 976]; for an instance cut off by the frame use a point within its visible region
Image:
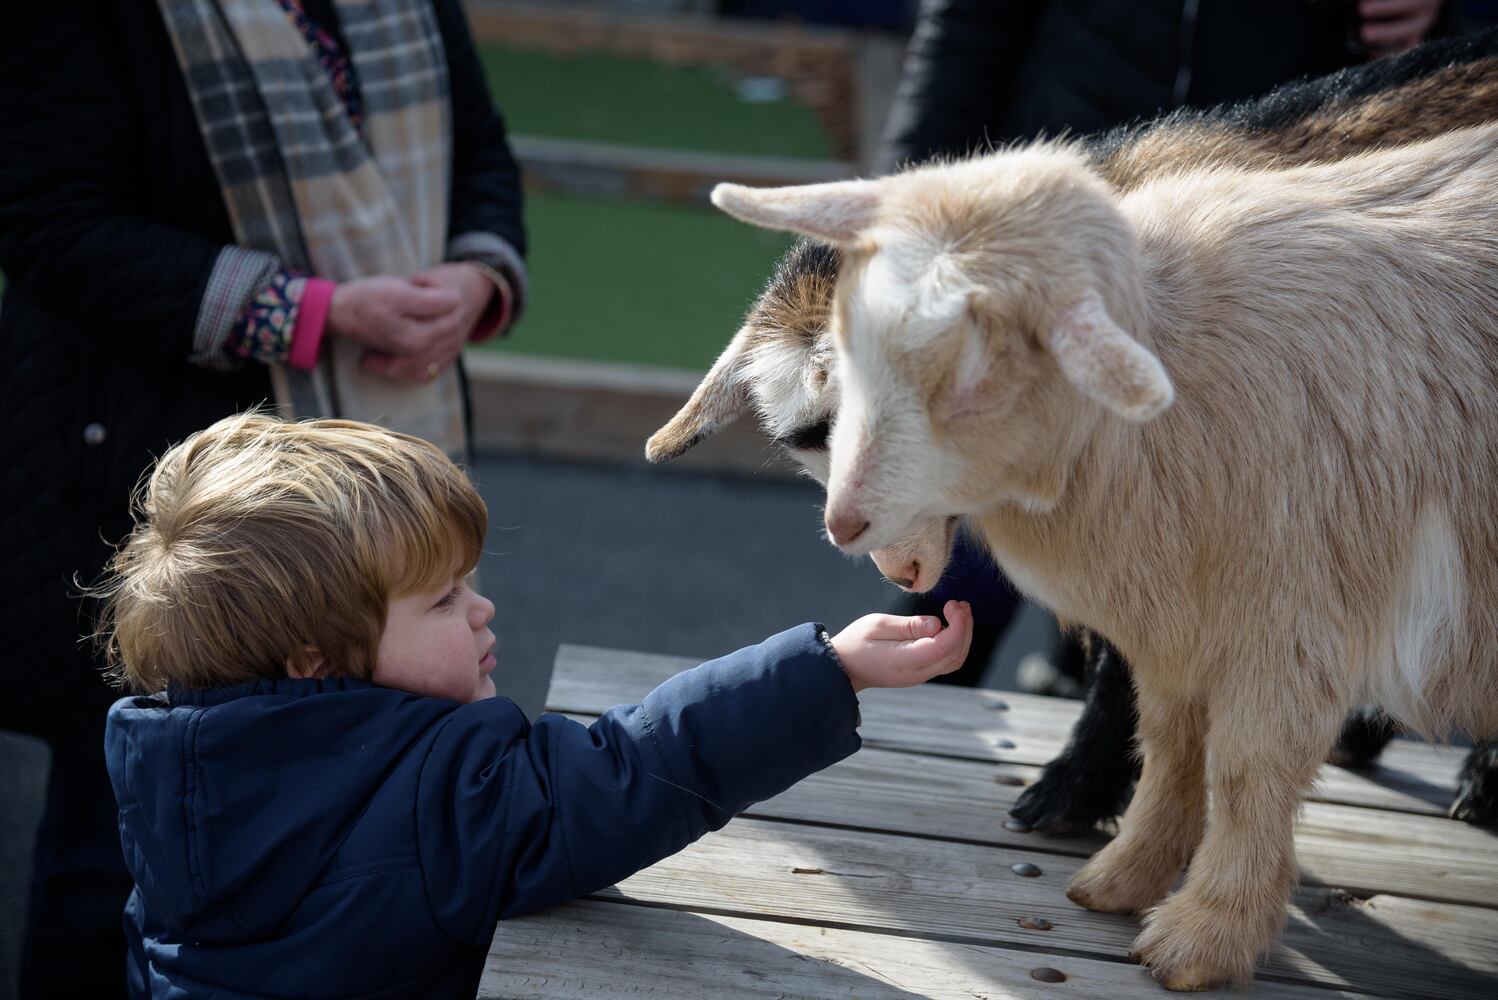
[973, 316]
[780, 366]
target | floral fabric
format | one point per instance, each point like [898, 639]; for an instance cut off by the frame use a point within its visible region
[263, 332]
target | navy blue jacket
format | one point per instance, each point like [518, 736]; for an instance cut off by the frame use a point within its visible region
[306, 838]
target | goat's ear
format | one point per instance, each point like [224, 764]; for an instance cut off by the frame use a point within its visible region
[836, 212]
[718, 400]
[973, 363]
[1098, 357]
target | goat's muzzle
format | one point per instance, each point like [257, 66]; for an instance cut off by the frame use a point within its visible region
[845, 527]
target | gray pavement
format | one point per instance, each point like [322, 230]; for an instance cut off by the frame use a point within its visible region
[666, 561]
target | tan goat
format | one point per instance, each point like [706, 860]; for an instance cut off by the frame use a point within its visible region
[780, 362]
[1311, 524]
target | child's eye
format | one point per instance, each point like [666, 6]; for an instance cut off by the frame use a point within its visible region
[452, 595]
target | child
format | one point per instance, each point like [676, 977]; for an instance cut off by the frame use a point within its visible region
[319, 793]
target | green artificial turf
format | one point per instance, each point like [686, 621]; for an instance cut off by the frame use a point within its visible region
[649, 283]
[637, 102]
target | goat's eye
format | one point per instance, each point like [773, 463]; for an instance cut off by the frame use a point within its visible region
[812, 437]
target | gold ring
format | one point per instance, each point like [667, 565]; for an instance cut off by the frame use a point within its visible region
[432, 370]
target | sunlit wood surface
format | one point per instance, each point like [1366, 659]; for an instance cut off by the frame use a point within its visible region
[889, 875]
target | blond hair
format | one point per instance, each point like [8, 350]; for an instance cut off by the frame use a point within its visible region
[259, 540]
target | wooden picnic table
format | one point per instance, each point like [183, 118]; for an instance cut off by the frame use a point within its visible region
[889, 875]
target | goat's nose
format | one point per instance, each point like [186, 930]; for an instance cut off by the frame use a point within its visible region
[844, 527]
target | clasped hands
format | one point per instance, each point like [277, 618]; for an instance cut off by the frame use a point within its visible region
[411, 328]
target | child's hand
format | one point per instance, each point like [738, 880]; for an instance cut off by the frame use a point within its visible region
[888, 651]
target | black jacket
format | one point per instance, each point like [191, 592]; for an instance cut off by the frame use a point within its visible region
[1001, 70]
[110, 222]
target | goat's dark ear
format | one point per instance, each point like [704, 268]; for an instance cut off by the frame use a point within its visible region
[1098, 357]
[718, 400]
[837, 212]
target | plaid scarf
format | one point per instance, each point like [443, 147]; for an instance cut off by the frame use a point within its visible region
[300, 181]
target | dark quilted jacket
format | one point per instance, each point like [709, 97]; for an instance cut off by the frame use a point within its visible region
[996, 71]
[110, 222]
[313, 838]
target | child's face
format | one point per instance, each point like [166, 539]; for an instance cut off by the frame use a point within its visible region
[437, 642]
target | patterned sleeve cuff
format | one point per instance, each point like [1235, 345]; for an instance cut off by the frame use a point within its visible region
[237, 275]
[263, 330]
[496, 252]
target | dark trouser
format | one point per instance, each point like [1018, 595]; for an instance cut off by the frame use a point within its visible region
[76, 938]
[56, 692]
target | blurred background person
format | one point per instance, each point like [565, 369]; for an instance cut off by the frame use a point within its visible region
[204, 206]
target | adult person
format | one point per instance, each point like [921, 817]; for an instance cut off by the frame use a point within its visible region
[205, 204]
[980, 73]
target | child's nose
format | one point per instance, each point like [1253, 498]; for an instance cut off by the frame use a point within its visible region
[483, 612]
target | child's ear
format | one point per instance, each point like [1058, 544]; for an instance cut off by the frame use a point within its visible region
[305, 662]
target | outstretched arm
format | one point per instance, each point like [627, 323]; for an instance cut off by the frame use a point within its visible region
[515, 817]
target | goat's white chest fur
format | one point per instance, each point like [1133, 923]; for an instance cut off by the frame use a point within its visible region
[1422, 624]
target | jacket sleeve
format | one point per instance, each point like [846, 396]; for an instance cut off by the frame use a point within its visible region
[514, 818]
[485, 218]
[70, 234]
[960, 70]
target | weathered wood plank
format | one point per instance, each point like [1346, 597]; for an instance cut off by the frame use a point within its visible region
[1372, 851]
[1366, 852]
[960, 892]
[964, 722]
[596, 948]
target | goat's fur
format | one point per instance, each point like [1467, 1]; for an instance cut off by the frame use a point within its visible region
[1310, 525]
[1423, 93]
[1433, 89]
[779, 362]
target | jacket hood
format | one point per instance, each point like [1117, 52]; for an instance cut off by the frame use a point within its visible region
[234, 801]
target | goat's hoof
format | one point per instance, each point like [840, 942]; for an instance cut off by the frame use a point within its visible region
[1364, 735]
[1051, 824]
[1175, 974]
[1062, 804]
[1185, 980]
[1178, 977]
[1477, 788]
[1190, 946]
[1341, 757]
[1108, 887]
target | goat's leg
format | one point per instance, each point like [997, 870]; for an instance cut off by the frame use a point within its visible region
[1164, 820]
[1477, 787]
[1091, 779]
[1364, 735]
[1264, 745]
